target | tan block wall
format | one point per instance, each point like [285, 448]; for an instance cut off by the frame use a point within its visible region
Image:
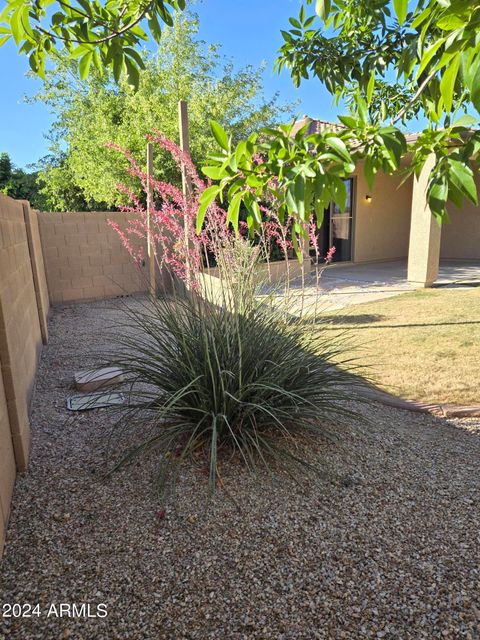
[20, 334]
[461, 238]
[24, 306]
[84, 257]
[382, 226]
[7, 465]
[38, 268]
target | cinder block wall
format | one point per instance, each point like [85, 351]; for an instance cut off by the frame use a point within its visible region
[44, 258]
[84, 257]
[38, 268]
[7, 465]
[24, 307]
[20, 332]
[23, 310]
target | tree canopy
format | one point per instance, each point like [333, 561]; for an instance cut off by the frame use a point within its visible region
[18, 183]
[390, 60]
[390, 64]
[103, 35]
[83, 173]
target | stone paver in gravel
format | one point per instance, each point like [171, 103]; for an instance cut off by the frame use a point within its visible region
[387, 545]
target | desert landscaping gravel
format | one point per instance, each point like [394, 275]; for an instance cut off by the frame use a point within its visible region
[385, 545]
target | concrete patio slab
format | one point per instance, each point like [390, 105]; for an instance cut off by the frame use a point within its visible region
[344, 285]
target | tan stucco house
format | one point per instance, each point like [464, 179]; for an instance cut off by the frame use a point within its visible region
[392, 221]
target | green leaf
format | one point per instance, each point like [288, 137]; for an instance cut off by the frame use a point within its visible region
[18, 32]
[322, 8]
[219, 134]
[296, 246]
[362, 108]
[133, 73]
[370, 87]
[234, 209]
[339, 146]
[300, 196]
[462, 177]
[475, 85]
[338, 191]
[136, 56]
[428, 56]
[438, 196]
[117, 65]
[257, 214]
[205, 200]
[447, 84]
[240, 151]
[84, 65]
[155, 28]
[348, 121]
[401, 8]
[215, 173]
[290, 199]
[319, 200]
[450, 22]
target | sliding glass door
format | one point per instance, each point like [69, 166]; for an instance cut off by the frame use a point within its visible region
[337, 229]
[341, 227]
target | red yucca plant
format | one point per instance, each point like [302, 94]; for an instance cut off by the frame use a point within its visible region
[176, 245]
[211, 380]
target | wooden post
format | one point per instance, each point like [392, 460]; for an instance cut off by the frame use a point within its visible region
[186, 181]
[150, 247]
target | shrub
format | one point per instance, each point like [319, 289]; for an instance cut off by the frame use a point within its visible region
[241, 376]
[210, 381]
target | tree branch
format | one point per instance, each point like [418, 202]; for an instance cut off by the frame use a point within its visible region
[414, 98]
[111, 36]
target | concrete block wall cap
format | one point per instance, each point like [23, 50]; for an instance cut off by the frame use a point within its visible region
[94, 379]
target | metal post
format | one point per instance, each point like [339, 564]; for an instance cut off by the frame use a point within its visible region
[150, 246]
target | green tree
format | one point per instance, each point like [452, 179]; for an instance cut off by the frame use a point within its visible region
[103, 35]
[5, 170]
[57, 187]
[92, 113]
[390, 64]
[18, 183]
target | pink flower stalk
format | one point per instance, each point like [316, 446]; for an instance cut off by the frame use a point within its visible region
[172, 218]
[330, 254]
[171, 222]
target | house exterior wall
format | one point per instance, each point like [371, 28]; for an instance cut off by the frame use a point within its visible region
[85, 259]
[382, 226]
[461, 238]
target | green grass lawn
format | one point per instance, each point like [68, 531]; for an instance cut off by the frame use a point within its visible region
[423, 345]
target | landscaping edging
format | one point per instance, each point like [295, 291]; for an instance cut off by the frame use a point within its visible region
[436, 409]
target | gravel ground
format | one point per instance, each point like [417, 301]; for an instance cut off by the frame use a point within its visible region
[386, 546]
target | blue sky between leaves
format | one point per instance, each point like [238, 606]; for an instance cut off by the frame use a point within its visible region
[248, 30]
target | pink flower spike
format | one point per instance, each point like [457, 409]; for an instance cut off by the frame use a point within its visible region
[330, 254]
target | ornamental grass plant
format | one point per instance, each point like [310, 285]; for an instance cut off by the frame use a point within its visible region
[238, 376]
[210, 381]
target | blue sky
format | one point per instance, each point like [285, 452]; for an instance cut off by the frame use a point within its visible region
[248, 30]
